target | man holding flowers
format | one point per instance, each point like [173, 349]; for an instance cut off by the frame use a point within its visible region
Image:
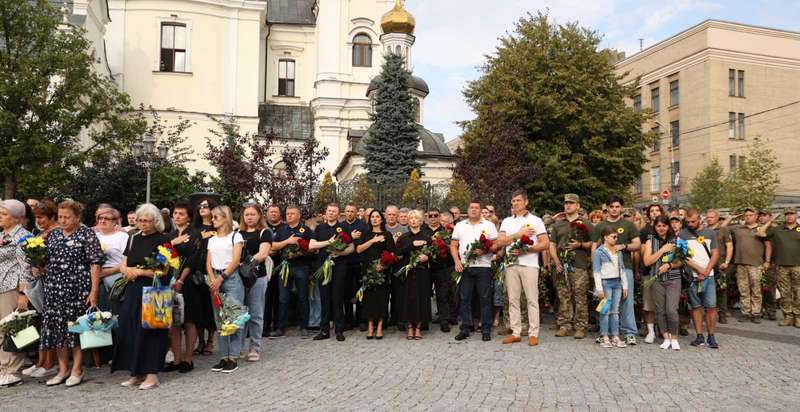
[471, 247]
[524, 235]
[570, 253]
[704, 253]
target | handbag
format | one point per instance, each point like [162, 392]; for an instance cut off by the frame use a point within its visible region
[91, 339]
[19, 341]
[35, 294]
[157, 306]
[248, 267]
[178, 308]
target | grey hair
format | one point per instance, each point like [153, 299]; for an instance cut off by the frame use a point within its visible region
[404, 210]
[149, 210]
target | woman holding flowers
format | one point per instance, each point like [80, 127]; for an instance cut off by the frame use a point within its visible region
[137, 350]
[14, 274]
[113, 242]
[377, 249]
[416, 254]
[665, 280]
[222, 267]
[611, 286]
[72, 284]
[258, 241]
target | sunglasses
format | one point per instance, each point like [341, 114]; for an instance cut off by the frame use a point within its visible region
[433, 215]
[217, 217]
[249, 203]
[203, 205]
[104, 218]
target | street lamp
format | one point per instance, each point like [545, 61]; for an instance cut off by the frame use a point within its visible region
[674, 178]
[146, 151]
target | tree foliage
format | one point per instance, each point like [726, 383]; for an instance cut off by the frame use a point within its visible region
[56, 111]
[414, 194]
[756, 180]
[391, 145]
[363, 196]
[325, 195]
[708, 186]
[295, 182]
[557, 102]
[459, 195]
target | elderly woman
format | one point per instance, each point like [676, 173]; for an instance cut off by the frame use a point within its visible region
[137, 350]
[14, 273]
[113, 242]
[416, 295]
[72, 284]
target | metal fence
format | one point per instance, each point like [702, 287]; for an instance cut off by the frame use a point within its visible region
[386, 194]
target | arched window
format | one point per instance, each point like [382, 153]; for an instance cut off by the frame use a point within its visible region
[362, 51]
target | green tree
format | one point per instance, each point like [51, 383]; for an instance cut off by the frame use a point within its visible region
[49, 96]
[756, 180]
[459, 195]
[561, 105]
[326, 194]
[708, 186]
[391, 145]
[364, 196]
[414, 193]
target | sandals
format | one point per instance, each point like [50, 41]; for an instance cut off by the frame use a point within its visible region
[410, 335]
[418, 334]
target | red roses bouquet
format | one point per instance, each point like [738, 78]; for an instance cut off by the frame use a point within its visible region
[374, 277]
[338, 245]
[289, 253]
[483, 244]
[441, 240]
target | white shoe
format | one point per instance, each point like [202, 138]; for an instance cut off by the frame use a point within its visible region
[42, 372]
[74, 381]
[9, 380]
[666, 344]
[650, 338]
[30, 370]
[56, 380]
[674, 345]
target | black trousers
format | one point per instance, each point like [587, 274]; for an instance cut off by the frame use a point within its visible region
[353, 283]
[271, 307]
[332, 298]
[444, 285]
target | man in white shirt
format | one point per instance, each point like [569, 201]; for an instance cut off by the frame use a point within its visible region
[524, 275]
[478, 273]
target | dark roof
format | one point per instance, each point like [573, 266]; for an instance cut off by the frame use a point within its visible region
[291, 12]
[417, 83]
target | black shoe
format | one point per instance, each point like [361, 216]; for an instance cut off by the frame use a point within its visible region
[486, 337]
[277, 333]
[362, 327]
[340, 336]
[453, 322]
[185, 367]
[230, 366]
[171, 367]
[219, 366]
[425, 327]
[756, 319]
[322, 336]
[462, 335]
[445, 328]
[370, 337]
[347, 327]
[314, 328]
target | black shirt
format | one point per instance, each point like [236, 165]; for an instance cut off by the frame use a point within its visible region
[325, 232]
[141, 247]
[375, 250]
[357, 225]
[405, 245]
[439, 262]
[186, 250]
[253, 241]
[301, 231]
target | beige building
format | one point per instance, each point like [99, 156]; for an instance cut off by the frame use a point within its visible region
[713, 88]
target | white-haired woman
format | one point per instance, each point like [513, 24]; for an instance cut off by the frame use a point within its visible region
[137, 350]
[222, 266]
[71, 285]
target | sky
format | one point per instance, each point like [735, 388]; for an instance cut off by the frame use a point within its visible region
[453, 36]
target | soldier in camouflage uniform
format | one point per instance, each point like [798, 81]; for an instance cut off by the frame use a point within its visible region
[770, 274]
[569, 248]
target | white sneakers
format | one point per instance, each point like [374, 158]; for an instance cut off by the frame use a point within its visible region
[650, 338]
[9, 380]
[27, 371]
[674, 345]
[38, 372]
[666, 344]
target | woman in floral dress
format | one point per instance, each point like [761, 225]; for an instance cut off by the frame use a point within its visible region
[71, 286]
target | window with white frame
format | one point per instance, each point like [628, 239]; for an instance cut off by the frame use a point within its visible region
[173, 47]
[286, 73]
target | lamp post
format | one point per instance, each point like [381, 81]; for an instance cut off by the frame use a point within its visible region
[674, 178]
[146, 151]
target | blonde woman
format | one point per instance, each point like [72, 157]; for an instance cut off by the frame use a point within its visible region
[222, 267]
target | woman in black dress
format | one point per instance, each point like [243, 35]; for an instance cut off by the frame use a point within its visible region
[186, 241]
[196, 293]
[371, 246]
[417, 289]
[138, 350]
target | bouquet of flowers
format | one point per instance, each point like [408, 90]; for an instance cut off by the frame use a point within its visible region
[456, 277]
[232, 316]
[35, 249]
[96, 321]
[482, 244]
[428, 250]
[161, 262]
[374, 274]
[290, 253]
[339, 244]
[441, 240]
[19, 330]
[680, 254]
[579, 233]
[520, 245]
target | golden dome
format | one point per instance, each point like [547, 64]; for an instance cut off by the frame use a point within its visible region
[398, 20]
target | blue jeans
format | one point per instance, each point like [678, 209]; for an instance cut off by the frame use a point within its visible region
[707, 297]
[298, 276]
[314, 308]
[609, 322]
[231, 346]
[480, 279]
[627, 317]
[255, 299]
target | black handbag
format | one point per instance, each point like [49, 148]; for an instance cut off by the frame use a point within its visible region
[248, 267]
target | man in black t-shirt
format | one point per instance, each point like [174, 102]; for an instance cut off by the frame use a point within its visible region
[356, 228]
[333, 294]
[441, 271]
[288, 234]
[274, 223]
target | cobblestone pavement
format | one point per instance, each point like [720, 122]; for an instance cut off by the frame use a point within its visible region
[757, 368]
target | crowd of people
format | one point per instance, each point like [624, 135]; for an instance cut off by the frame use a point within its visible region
[614, 271]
